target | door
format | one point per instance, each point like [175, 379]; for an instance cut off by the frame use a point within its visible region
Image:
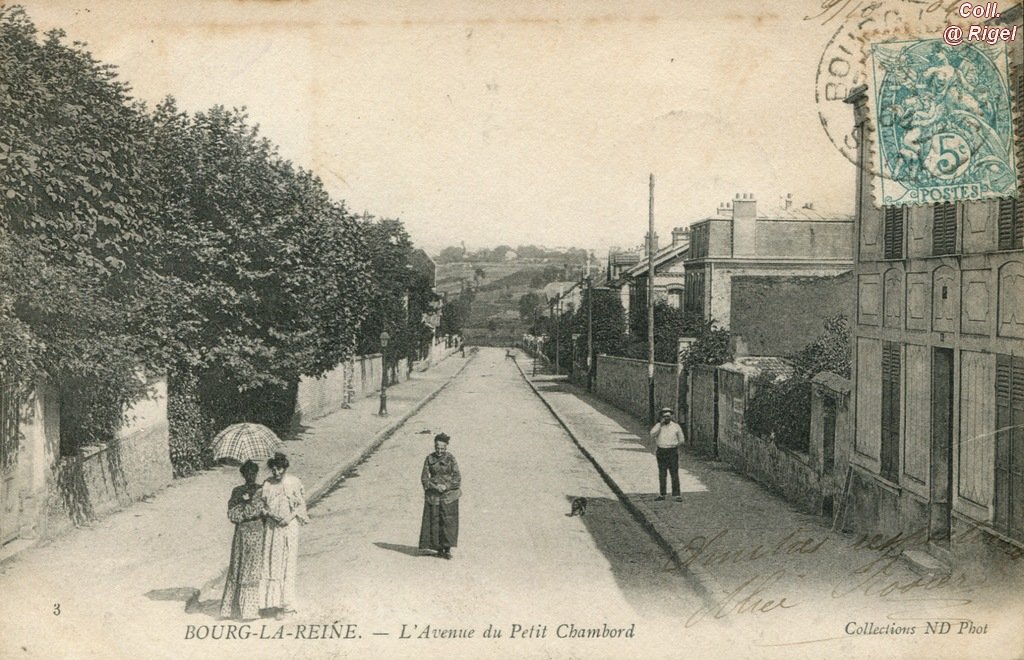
[1009, 459]
[941, 475]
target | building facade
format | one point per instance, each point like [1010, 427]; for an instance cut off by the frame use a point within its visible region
[938, 378]
[737, 241]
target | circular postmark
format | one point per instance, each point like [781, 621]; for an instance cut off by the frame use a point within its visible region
[844, 63]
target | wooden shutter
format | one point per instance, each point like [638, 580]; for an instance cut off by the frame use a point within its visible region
[893, 232]
[944, 228]
[1009, 458]
[1011, 224]
[890, 410]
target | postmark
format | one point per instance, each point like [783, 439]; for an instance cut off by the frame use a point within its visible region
[844, 64]
[943, 122]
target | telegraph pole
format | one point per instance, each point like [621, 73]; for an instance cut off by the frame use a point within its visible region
[590, 328]
[650, 302]
[558, 334]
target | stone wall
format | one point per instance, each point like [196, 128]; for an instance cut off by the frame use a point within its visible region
[322, 396]
[623, 383]
[102, 479]
[785, 471]
[780, 314]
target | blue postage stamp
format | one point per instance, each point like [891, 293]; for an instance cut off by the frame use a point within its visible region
[944, 123]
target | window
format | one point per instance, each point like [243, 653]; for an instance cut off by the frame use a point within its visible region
[675, 298]
[893, 231]
[694, 296]
[1011, 224]
[1009, 477]
[890, 411]
[944, 228]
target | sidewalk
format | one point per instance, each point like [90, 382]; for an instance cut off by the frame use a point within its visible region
[171, 546]
[744, 547]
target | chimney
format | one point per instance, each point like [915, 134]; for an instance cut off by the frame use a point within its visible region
[650, 243]
[744, 225]
[680, 236]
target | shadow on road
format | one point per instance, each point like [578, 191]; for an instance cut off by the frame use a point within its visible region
[409, 550]
[646, 576]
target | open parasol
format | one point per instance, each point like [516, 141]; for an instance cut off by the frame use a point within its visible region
[245, 442]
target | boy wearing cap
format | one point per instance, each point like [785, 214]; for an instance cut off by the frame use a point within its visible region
[668, 436]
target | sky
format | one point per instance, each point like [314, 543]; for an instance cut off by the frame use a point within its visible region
[476, 122]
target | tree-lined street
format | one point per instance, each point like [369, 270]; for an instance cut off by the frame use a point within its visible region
[755, 574]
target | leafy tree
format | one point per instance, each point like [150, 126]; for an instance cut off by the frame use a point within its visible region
[608, 320]
[451, 254]
[74, 199]
[830, 351]
[781, 410]
[531, 307]
[266, 279]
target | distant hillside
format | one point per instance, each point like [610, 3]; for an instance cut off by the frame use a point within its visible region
[498, 286]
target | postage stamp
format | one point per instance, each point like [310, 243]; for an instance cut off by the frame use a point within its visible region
[944, 123]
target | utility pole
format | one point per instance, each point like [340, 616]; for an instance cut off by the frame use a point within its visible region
[650, 303]
[590, 327]
[558, 335]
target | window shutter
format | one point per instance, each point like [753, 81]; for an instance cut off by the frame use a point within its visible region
[893, 232]
[890, 410]
[1003, 429]
[1011, 225]
[1009, 458]
[944, 228]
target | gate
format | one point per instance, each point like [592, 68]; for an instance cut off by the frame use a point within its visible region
[704, 413]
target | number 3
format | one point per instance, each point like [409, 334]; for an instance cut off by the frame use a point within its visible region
[56, 609]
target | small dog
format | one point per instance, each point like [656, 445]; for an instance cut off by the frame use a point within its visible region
[579, 506]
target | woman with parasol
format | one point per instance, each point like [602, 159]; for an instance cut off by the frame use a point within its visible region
[285, 504]
[245, 509]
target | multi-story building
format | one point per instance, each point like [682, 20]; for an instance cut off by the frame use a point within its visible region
[939, 364]
[736, 241]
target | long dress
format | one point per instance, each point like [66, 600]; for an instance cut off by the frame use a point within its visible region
[440, 526]
[242, 589]
[281, 542]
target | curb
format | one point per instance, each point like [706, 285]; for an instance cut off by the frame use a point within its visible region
[325, 485]
[705, 584]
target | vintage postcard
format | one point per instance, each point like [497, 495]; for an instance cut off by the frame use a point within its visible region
[472, 329]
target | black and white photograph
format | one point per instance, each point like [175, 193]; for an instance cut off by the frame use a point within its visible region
[474, 329]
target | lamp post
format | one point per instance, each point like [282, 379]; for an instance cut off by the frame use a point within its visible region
[383, 412]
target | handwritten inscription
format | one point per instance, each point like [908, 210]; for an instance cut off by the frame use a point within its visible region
[749, 598]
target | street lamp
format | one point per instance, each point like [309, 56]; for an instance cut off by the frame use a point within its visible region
[383, 412]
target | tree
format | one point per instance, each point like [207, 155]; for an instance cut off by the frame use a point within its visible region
[608, 320]
[781, 410]
[75, 201]
[451, 254]
[531, 307]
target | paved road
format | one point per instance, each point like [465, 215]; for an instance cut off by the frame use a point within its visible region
[523, 566]
[521, 560]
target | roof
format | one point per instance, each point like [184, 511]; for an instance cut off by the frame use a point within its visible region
[752, 366]
[834, 382]
[660, 257]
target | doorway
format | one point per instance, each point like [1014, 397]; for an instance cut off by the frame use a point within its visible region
[941, 446]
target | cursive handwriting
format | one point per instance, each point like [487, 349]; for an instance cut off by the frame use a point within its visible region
[712, 551]
[748, 598]
[876, 578]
